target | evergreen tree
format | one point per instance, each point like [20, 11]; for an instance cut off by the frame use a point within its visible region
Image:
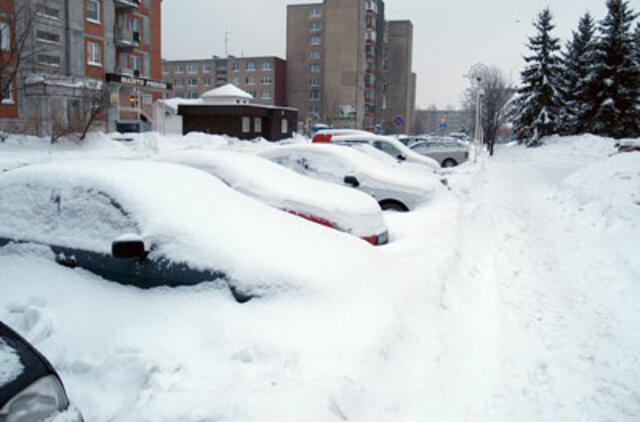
[637, 37]
[614, 82]
[577, 60]
[539, 102]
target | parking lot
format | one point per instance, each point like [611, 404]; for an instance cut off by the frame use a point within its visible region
[508, 294]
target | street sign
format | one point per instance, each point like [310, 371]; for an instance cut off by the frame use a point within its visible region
[398, 120]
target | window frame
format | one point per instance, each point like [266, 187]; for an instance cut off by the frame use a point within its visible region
[5, 42]
[98, 6]
[91, 53]
[246, 124]
[9, 98]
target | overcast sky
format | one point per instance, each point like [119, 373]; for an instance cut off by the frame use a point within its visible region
[449, 35]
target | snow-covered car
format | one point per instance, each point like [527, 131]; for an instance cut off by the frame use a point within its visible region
[325, 203]
[160, 224]
[390, 146]
[30, 388]
[324, 136]
[449, 152]
[393, 188]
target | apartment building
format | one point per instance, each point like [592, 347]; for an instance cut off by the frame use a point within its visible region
[262, 77]
[339, 60]
[401, 82]
[89, 53]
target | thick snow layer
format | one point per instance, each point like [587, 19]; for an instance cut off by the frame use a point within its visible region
[10, 365]
[351, 211]
[511, 297]
[183, 213]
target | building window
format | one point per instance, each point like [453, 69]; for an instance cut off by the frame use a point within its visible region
[136, 63]
[266, 80]
[251, 80]
[314, 54]
[314, 82]
[47, 11]
[315, 13]
[250, 66]
[314, 95]
[267, 66]
[246, 124]
[193, 95]
[49, 60]
[257, 124]
[315, 26]
[93, 11]
[7, 90]
[178, 69]
[235, 66]
[266, 95]
[314, 40]
[314, 110]
[94, 54]
[192, 68]
[179, 95]
[5, 37]
[284, 126]
[206, 81]
[206, 67]
[193, 82]
[236, 81]
[165, 69]
[253, 94]
[314, 68]
[179, 82]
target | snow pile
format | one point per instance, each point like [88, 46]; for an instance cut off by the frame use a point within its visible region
[10, 365]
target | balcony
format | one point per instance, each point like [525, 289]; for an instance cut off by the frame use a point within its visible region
[126, 38]
[127, 4]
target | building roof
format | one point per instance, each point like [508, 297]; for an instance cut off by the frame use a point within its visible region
[226, 91]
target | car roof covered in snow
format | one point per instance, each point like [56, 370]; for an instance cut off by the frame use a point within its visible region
[182, 213]
[350, 210]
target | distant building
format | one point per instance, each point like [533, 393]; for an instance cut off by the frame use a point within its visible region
[226, 110]
[262, 77]
[401, 82]
[442, 122]
[83, 51]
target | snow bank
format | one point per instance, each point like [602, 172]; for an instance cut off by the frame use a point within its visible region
[10, 365]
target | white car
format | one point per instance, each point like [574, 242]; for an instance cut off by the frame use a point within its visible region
[390, 146]
[154, 224]
[325, 203]
[393, 188]
[449, 152]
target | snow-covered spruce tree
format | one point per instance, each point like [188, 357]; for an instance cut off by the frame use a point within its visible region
[540, 99]
[614, 81]
[577, 60]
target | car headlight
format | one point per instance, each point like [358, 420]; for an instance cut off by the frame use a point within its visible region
[37, 402]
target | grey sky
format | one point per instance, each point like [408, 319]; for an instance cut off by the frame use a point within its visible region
[449, 36]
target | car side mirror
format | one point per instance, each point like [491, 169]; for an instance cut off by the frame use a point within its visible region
[352, 180]
[401, 157]
[129, 246]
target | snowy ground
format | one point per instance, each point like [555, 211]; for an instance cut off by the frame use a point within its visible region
[513, 297]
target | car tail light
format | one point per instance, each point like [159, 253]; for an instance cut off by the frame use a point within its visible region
[322, 138]
[376, 240]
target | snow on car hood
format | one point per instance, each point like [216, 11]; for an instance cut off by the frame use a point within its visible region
[185, 214]
[352, 211]
[10, 365]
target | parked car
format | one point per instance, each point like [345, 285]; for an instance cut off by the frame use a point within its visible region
[321, 202]
[393, 188]
[449, 152]
[324, 136]
[30, 388]
[390, 146]
[154, 224]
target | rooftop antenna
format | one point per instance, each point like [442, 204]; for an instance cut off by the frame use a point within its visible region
[226, 43]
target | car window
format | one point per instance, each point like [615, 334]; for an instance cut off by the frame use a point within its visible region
[388, 148]
[67, 216]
